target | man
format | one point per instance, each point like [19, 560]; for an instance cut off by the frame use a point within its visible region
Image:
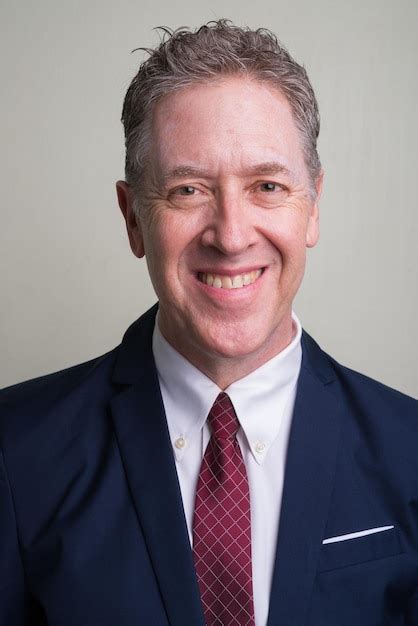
[217, 467]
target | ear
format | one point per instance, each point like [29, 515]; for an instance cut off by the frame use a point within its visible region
[126, 203]
[312, 233]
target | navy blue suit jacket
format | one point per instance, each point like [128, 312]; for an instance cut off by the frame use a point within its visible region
[92, 528]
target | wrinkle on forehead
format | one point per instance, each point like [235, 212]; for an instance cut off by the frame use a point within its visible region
[228, 127]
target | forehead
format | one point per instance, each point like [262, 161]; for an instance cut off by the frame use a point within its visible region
[229, 123]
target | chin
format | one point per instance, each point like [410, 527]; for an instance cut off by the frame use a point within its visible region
[233, 344]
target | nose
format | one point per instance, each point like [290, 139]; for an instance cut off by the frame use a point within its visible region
[231, 228]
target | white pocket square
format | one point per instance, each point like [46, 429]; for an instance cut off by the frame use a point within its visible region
[360, 533]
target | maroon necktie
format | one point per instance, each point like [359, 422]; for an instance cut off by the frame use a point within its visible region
[222, 524]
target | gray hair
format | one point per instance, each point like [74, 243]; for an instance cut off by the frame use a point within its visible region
[216, 49]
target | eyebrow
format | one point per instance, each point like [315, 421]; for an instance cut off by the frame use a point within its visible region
[268, 168]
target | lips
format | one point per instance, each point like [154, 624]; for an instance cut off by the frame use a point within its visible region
[222, 281]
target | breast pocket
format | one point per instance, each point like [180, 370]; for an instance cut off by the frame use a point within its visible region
[359, 550]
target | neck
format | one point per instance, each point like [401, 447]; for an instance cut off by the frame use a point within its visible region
[225, 370]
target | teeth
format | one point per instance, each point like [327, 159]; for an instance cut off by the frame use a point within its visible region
[229, 282]
[237, 282]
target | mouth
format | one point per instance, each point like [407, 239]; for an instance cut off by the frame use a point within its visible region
[228, 281]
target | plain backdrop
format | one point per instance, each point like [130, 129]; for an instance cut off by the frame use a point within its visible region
[69, 283]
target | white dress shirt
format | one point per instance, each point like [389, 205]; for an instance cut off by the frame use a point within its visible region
[263, 402]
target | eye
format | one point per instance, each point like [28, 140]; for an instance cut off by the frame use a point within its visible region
[187, 190]
[266, 187]
[187, 196]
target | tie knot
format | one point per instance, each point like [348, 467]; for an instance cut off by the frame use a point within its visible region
[222, 418]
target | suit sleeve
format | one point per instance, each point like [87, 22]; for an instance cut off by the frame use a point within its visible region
[12, 580]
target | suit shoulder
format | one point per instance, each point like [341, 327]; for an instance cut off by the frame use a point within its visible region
[374, 390]
[380, 424]
[357, 388]
[67, 376]
[32, 398]
[383, 410]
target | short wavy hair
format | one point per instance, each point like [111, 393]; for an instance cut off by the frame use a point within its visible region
[216, 49]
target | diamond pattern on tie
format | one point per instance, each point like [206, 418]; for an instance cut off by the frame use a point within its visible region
[222, 524]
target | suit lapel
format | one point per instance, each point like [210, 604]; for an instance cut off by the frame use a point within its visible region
[310, 469]
[146, 451]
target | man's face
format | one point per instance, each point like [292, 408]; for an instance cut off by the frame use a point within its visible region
[227, 212]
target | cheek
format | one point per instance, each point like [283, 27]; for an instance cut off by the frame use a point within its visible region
[166, 242]
[290, 240]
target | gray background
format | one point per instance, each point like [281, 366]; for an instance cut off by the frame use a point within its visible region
[69, 284]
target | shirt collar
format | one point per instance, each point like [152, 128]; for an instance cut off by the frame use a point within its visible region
[259, 399]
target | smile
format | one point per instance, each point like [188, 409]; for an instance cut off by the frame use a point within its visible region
[220, 281]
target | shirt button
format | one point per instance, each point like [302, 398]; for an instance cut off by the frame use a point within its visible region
[260, 446]
[180, 443]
